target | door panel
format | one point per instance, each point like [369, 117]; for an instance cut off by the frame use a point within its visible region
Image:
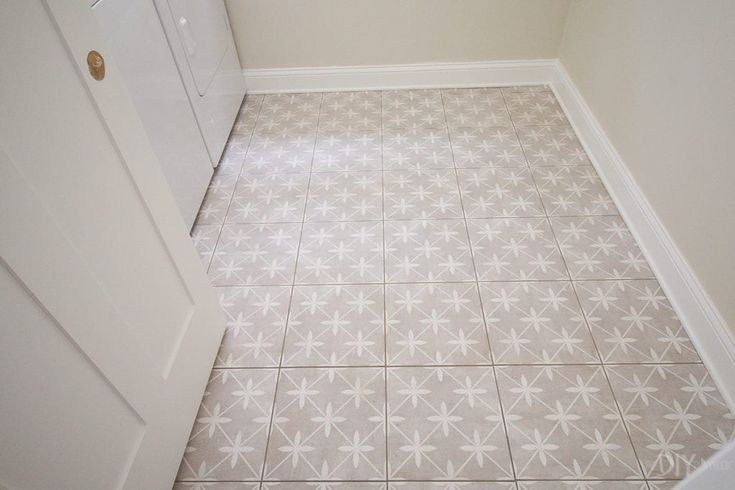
[114, 326]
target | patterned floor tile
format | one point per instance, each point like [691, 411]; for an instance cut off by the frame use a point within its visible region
[427, 251]
[499, 192]
[204, 238]
[228, 439]
[248, 115]
[663, 485]
[212, 485]
[552, 145]
[445, 424]
[563, 424]
[350, 111]
[435, 324]
[534, 109]
[255, 254]
[335, 326]
[269, 198]
[486, 147]
[536, 322]
[510, 249]
[233, 155]
[525, 88]
[289, 113]
[416, 148]
[344, 252]
[452, 485]
[217, 199]
[582, 485]
[256, 324]
[600, 248]
[276, 153]
[632, 321]
[324, 485]
[413, 109]
[348, 150]
[572, 191]
[421, 194]
[475, 108]
[328, 425]
[675, 415]
[345, 196]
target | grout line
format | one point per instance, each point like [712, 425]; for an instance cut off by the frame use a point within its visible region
[288, 314]
[587, 324]
[482, 307]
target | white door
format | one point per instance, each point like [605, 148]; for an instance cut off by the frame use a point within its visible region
[108, 325]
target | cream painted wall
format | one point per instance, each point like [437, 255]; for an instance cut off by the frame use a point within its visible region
[298, 33]
[660, 77]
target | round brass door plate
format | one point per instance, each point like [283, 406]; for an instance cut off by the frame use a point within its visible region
[96, 64]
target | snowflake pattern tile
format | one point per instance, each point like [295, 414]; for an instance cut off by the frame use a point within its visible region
[328, 424]
[335, 326]
[435, 324]
[433, 251]
[345, 196]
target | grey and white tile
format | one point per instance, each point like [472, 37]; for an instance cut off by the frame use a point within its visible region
[632, 321]
[348, 150]
[413, 109]
[248, 115]
[217, 199]
[328, 424]
[536, 323]
[255, 254]
[600, 247]
[499, 192]
[345, 196]
[563, 423]
[350, 111]
[435, 324]
[445, 423]
[475, 108]
[271, 198]
[343, 252]
[229, 436]
[256, 324]
[335, 326]
[675, 415]
[534, 108]
[511, 249]
[416, 148]
[295, 113]
[421, 194]
[280, 153]
[427, 250]
[572, 191]
[551, 146]
[486, 147]
[205, 238]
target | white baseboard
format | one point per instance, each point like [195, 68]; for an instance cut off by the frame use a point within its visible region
[710, 333]
[433, 75]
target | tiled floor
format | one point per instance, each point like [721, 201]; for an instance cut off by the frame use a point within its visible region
[432, 287]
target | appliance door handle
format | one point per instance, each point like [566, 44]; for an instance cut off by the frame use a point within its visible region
[189, 43]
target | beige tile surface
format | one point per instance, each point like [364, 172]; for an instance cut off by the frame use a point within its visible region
[433, 289]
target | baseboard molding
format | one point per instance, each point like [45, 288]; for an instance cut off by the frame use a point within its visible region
[433, 75]
[710, 333]
[708, 330]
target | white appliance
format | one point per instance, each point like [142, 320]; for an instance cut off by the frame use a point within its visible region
[202, 44]
[180, 66]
